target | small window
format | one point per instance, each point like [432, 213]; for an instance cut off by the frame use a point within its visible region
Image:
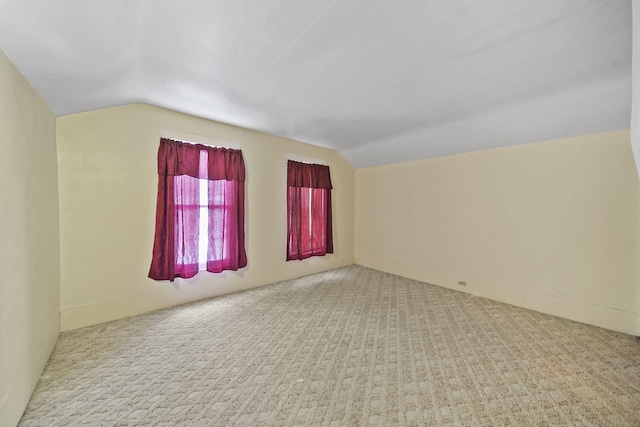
[201, 226]
[309, 229]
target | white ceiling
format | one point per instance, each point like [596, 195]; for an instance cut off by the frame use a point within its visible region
[380, 81]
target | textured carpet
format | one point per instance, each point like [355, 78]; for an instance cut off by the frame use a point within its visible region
[351, 346]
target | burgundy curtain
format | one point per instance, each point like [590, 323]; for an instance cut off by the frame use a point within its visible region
[309, 229]
[181, 166]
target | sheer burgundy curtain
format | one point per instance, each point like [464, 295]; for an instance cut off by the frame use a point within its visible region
[181, 167]
[309, 229]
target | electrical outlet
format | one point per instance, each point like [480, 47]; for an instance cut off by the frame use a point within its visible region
[461, 283]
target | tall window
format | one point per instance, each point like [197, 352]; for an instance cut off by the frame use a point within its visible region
[200, 211]
[309, 230]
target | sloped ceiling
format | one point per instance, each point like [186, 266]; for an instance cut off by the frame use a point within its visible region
[380, 81]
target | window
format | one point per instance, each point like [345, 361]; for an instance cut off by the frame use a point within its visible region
[217, 211]
[203, 236]
[200, 211]
[309, 229]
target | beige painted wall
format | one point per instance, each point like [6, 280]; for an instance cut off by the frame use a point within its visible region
[29, 245]
[552, 226]
[108, 182]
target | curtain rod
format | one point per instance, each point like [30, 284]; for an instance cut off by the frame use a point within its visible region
[305, 159]
[193, 138]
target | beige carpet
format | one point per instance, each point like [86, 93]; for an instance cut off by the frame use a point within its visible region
[351, 346]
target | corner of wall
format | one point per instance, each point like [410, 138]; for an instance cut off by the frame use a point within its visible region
[30, 247]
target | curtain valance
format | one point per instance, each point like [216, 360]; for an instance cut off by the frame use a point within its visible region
[308, 175]
[177, 158]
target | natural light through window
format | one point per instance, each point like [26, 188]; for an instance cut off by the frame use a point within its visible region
[203, 238]
[202, 228]
[309, 192]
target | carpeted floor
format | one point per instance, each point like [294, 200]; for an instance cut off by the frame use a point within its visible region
[351, 346]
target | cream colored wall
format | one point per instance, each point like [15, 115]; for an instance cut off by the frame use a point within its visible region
[29, 245]
[108, 182]
[552, 226]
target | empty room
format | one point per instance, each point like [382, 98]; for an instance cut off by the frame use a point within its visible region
[331, 213]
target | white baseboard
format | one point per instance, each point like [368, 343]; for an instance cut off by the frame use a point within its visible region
[569, 308]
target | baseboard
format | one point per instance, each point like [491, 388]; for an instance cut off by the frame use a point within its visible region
[569, 308]
[178, 293]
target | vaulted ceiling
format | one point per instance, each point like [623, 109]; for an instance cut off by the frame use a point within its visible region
[380, 81]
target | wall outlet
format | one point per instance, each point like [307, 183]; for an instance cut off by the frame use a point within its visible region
[461, 283]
